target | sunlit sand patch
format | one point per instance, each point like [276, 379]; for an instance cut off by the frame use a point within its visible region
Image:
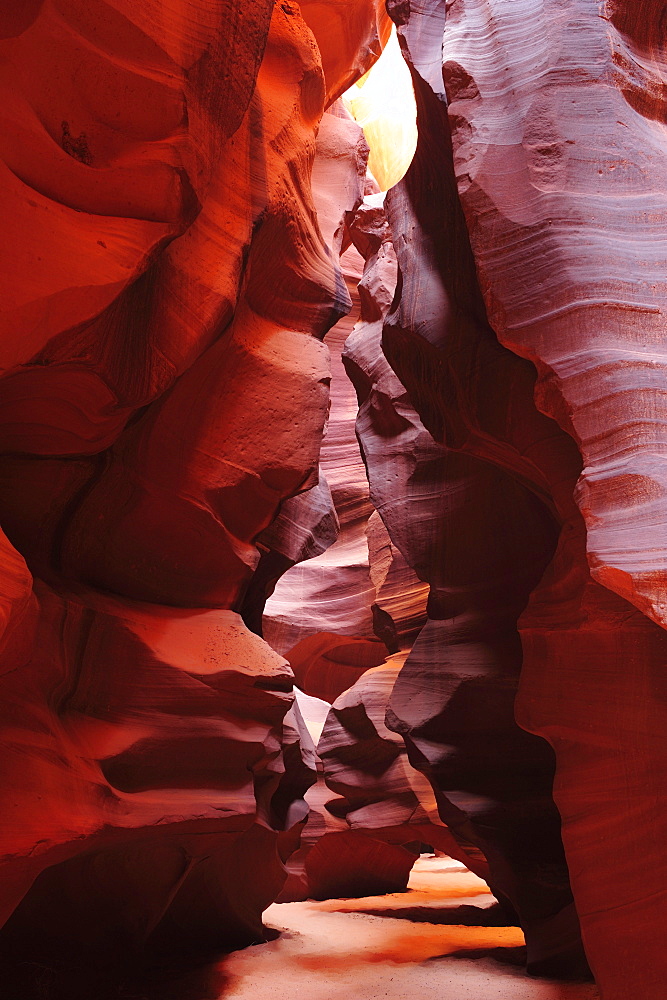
[333, 950]
[463, 887]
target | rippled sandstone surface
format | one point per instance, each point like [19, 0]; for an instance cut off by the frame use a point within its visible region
[185, 216]
[164, 387]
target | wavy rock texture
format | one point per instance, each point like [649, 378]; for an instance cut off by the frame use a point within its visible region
[350, 35]
[164, 388]
[558, 163]
[333, 592]
[354, 844]
[146, 708]
[179, 222]
[360, 586]
[448, 513]
[325, 664]
[346, 609]
[378, 792]
[579, 205]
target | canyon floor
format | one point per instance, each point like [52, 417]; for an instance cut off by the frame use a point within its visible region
[393, 947]
[434, 942]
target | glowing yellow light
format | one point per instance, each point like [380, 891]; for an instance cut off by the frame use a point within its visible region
[383, 103]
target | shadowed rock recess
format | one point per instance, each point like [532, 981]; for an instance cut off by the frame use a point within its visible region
[266, 427]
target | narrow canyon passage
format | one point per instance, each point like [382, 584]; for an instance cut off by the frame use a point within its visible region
[333, 499]
[387, 948]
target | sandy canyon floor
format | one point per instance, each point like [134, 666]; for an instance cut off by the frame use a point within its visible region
[395, 947]
[435, 942]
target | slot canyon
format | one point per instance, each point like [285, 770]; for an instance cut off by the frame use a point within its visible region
[333, 500]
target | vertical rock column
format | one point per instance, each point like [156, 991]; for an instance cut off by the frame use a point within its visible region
[557, 113]
[352, 605]
[488, 531]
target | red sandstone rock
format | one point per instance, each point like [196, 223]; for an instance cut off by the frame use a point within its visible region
[484, 542]
[351, 865]
[164, 389]
[325, 664]
[360, 586]
[561, 174]
[163, 398]
[383, 805]
[333, 592]
[155, 707]
[304, 527]
[553, 155]
[454, 697]
[338, 603]
[350, 34]
[366, 765]
[353, 843]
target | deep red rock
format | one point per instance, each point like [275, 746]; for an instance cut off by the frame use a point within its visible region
[326, 664]
[182, 229]
[166, 286]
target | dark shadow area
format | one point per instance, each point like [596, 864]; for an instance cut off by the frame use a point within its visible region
[565, 968]
[460, 916]
[35, 981]
[514, 956]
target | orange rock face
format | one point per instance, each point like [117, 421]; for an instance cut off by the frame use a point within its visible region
[166, 286]
[186, 218]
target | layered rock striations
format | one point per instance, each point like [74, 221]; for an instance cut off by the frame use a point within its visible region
[580, 202]
[350, 35]
[345, 610]
[164, 390]
[333, 592]
[378, 792]
[184, 227]
[360, 586]
[451, 514]
[543, 383]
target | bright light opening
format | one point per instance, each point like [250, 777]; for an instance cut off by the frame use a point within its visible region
[383, 103]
